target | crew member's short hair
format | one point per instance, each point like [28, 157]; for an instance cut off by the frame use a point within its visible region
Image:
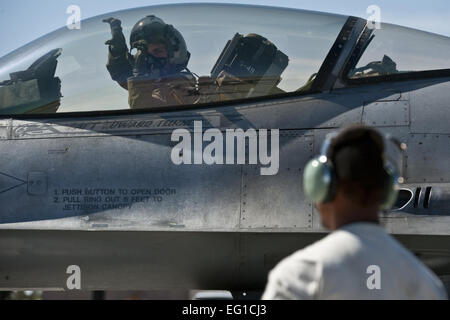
[357, 154]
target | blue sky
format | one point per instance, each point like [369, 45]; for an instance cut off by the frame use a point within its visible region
[22, 21]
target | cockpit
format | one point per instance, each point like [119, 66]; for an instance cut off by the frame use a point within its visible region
[236, 52]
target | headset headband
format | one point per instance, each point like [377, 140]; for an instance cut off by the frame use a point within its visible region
[320, 180]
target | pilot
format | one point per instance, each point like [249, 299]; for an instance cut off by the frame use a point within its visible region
[157, 75]
[350, 182]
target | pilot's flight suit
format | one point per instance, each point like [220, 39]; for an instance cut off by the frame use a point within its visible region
[359, 261]
[152, 92]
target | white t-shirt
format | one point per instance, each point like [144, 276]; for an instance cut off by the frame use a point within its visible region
[358, 261]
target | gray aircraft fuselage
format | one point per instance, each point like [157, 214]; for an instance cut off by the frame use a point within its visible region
[101, 191]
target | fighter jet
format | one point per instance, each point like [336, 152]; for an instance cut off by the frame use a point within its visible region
[209, 195]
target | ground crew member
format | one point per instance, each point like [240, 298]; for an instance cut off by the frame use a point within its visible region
[350, 182]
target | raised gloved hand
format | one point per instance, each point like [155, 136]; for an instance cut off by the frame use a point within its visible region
[117, 44]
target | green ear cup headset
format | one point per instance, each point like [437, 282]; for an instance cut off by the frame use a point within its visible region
[320, 180]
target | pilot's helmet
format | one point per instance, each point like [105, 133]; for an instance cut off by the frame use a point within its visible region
[154, 30]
